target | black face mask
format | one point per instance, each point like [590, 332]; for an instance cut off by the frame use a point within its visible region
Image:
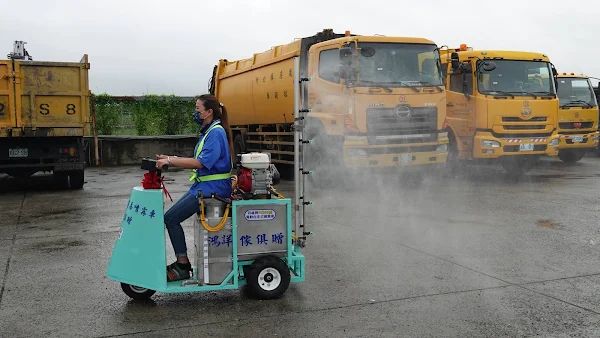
[197, 118]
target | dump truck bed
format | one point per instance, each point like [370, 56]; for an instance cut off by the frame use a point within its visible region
[39, 98]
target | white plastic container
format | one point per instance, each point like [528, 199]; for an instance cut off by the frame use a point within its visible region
[255, 161]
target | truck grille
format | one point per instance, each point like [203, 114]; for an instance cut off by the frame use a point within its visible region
[571, 125]
[385, 127]
[518, 119]
[525, 127]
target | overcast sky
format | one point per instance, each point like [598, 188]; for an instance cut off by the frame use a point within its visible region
[137, 47]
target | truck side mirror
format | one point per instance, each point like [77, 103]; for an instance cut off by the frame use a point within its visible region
[489, 66]
[465, 85]
[347, 69]
[346, 54]
[348, 73]
[455, 61]
[466, 68]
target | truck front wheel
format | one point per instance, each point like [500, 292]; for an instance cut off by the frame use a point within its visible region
[570, 156]
[517, 165]
[322, 156]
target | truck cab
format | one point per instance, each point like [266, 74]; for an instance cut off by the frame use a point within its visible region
[380, 99]
[499, 108]
[577, 117]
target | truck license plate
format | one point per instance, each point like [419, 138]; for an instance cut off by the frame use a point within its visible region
[18, 152]
[577, 139]
[405, 158]
[526, 147]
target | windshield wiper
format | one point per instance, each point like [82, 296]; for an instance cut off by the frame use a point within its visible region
[379, 84]
[429, 84]
[496, 92]
[527, 93]
[587, 104]
[545, 94]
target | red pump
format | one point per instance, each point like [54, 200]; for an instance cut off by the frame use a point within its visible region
[245, 180]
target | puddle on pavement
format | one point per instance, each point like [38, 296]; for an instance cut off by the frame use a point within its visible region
[548, 223]
[58, 245]
[57, 212]
[550, 176]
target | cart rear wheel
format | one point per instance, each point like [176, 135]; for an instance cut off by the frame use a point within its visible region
[268, 277]
[137, 292]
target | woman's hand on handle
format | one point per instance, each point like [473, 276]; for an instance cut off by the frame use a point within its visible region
[162, 162]
[161, 157]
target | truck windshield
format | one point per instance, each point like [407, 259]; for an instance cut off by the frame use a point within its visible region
[517, 77]
[398, 65]
[575, 92]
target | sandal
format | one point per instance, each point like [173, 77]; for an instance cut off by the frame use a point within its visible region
[176, 272]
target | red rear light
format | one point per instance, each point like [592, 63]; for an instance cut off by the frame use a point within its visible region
[245, 180]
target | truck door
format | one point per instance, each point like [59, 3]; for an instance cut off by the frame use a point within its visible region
[326, 93]
[7, 98]
[461, 110]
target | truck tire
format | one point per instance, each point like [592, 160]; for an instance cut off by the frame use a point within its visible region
[452, 159]
[238, 146]
[570, 156]
[517, 165]
[322, 157]
[77, 179]
[61, 179]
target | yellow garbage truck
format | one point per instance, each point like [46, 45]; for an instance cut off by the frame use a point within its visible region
[44, 115]
[577, 117]
[375, 101]
[498, 109]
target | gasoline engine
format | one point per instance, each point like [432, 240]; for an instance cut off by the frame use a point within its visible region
[256, 176]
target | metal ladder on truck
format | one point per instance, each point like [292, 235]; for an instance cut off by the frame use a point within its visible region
[300, 172]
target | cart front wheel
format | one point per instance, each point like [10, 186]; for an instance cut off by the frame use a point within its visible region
[268, 277]
[137, 292]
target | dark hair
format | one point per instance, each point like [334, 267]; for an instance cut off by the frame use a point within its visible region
[219, 113]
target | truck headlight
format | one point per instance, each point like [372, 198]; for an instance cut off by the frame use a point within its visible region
[490, 144]
[357, 153]
[553, 142]
[442, 148]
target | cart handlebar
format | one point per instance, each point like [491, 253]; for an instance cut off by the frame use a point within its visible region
[150, 165]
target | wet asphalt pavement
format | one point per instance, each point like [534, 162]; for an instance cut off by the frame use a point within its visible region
[477, 255]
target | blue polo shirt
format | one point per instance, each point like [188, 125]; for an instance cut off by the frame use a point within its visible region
[216, 159]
